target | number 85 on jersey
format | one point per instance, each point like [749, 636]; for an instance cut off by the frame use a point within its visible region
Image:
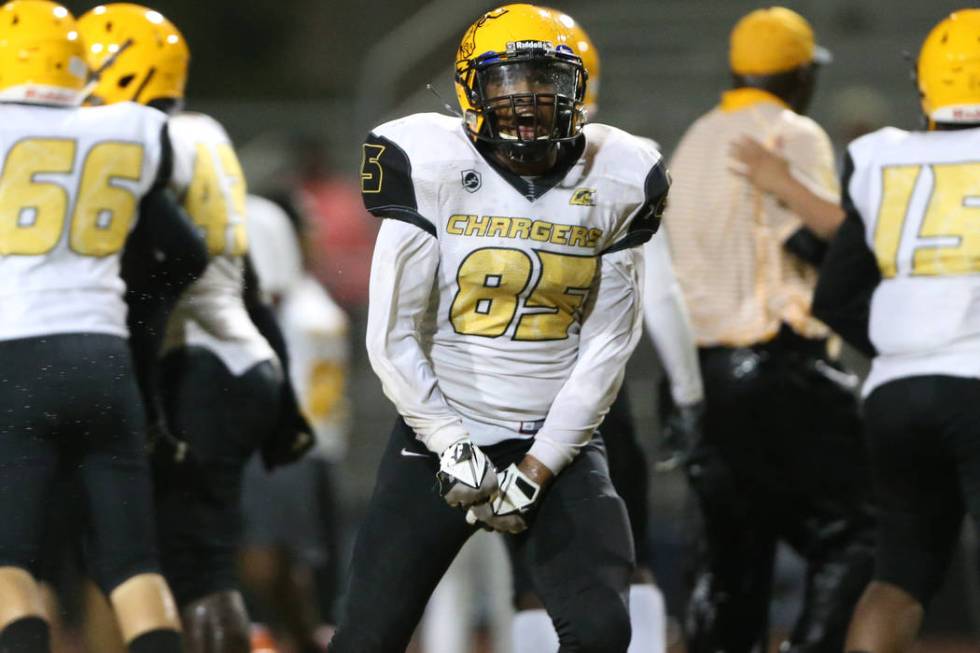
[540, 293]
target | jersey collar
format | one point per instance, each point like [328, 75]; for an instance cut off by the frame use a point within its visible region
[533, 188]
[742, 98]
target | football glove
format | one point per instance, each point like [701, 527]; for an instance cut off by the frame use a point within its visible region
[292, 436]
[465, 474]
[681, 430]
[288, 443]
[507, 510]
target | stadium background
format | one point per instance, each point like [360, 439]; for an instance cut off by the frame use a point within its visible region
[298, 83]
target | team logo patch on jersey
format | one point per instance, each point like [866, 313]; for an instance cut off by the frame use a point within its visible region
[471, 180]
[583, 197]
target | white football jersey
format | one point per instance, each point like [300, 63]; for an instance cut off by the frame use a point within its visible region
[918, 194]
[314, 327]
[70, 190]
[208, 180]
[519, 258]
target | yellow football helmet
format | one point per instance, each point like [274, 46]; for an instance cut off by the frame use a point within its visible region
[136, 53]
[519, 80]
[584, 48]
[42, 60]
[948, 69]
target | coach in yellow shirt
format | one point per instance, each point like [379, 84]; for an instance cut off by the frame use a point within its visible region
[754, 199]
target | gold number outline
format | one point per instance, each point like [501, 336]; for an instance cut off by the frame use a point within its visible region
[108, 184]
[55, 184]
[555, 310]
[375, 161]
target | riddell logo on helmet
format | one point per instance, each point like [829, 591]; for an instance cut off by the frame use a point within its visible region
[517, 46]
[49, 95]
[971, 114]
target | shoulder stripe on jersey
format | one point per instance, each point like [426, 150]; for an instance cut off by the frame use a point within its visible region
[405, 215]
[646, 219]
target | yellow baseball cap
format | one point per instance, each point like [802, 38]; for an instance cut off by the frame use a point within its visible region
[773, 40]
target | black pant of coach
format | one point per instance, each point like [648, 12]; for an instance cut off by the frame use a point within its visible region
[781, 459]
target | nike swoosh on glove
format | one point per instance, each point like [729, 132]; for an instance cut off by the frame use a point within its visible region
[465, 474]
[506, 511]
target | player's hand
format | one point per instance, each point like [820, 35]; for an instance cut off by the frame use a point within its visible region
[520, 489]
[173, 459]
[465, 474]
[681, 430]
[288, 443]
[762, 167]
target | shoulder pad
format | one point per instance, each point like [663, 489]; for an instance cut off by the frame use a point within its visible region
[392, 156]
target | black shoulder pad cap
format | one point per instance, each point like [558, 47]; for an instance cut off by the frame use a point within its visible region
[646, 219]
[386, 183]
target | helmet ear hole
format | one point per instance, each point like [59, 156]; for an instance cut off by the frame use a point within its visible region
[126, 81]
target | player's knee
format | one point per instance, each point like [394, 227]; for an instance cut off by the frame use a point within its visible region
[912, 558]
[602, 627]
[20, 596]
[144, 604]
[110, 571]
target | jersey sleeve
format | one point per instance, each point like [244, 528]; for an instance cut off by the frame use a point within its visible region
[402, 274]
[848, 277]
[643, 222]
[387, 185]
[669, 325]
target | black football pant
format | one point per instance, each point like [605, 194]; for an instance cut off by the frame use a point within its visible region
[70, 410]
[781, 459]
[629, 475]
[577, 547]
[223, 418]
[924, 434]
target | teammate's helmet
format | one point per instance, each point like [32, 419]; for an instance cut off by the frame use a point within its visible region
[949, 67]
[136, 53]
[584, 48]
[41, 55]
[519, 81]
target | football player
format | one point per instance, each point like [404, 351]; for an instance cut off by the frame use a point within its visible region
[505, 301]
[79, 185]
[902, 283]
[221, 387]
[668, 325]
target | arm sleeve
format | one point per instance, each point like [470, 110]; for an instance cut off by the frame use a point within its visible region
[291, 414]
[848, 278]
[403, 272]
[164, 254]
[645, 221]
[609, 335]
[668, 324]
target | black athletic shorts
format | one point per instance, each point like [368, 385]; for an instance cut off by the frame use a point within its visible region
[924, 434]
[223, 418]
[69, 405]
[577, 546]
